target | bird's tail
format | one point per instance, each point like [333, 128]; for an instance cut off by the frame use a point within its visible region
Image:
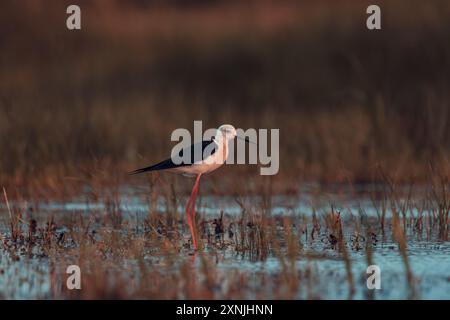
[166, 164]
[142, 170]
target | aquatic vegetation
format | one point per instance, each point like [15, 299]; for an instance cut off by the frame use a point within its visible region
[249, 248]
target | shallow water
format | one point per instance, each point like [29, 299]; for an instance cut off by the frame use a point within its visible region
[321, 268]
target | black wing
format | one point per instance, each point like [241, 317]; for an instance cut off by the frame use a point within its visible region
[168, 163]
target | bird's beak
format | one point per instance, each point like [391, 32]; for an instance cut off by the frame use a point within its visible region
[246, 139]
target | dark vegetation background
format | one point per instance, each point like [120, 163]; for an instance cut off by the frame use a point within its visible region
[349, 102]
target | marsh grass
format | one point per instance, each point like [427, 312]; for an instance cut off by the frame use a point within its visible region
[126, 256]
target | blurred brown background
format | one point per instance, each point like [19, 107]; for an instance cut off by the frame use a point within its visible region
[347, 100]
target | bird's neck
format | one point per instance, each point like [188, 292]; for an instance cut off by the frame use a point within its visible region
[223, 147]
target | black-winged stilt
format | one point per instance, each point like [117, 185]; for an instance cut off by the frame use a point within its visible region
[215, 157]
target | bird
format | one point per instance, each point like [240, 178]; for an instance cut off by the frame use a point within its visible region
[199, 165]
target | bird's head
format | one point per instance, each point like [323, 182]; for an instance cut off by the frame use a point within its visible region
[227, 131]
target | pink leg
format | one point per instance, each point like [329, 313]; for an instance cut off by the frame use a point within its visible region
[193, 204]
[190, 211]
[188, 216]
